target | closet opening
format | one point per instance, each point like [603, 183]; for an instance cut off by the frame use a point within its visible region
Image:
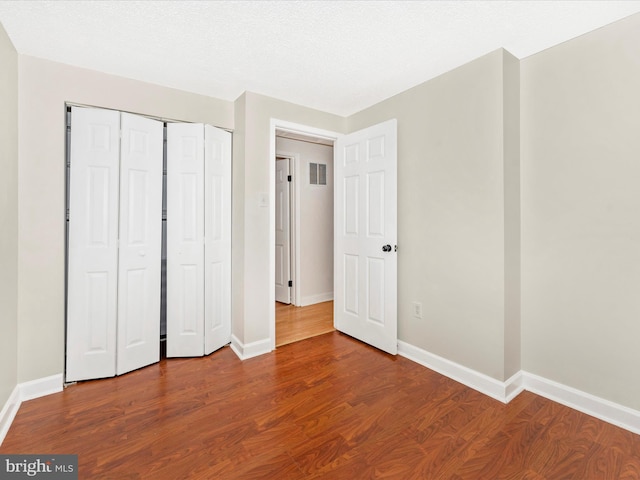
[148, 241]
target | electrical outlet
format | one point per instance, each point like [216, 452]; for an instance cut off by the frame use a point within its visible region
[417, 310]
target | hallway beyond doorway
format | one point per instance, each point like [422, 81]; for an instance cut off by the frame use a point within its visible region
[297, 323]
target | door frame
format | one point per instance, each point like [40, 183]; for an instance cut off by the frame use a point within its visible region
[292, 127]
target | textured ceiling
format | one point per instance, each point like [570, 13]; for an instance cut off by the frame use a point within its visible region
[335, 56]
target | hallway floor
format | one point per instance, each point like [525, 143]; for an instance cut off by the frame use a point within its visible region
[297, 323]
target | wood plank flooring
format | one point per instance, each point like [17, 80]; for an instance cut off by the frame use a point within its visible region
[324, 408]
[298, 323]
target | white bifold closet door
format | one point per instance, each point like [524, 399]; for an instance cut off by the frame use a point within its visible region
[198, 239]
[115, 238]
[140, 253]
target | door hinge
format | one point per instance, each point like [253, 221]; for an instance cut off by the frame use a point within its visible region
[291, 283]
[288, 178]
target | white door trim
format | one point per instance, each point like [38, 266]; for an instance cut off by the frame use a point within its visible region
[293, 128]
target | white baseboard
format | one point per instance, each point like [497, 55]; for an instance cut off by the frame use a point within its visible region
[584, 402]
[249, 350]
[605, 410]
[8, 412]
[40, 387]
[501, 391]
[513, 386]
[313, 299]
[23, 392]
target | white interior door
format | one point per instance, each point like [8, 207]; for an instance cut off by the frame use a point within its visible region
[93, 244]
[139, 266]
[365, 261]
[283, 236]
[217, 232]
[185, 240]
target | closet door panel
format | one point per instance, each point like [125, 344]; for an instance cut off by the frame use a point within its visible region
[217, 211]
[139, 267]
[185, 240]
[93, 244]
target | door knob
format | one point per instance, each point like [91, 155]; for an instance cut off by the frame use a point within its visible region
[386, 248]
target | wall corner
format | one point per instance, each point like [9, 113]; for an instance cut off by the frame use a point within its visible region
[512, 221]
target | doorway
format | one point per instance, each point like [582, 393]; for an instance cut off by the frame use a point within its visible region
[303, 257]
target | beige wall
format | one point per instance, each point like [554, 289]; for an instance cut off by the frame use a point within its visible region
[9, 216]
[253, 291]
[581, 212]
[451, 211]
[316, 220]
[44, 87]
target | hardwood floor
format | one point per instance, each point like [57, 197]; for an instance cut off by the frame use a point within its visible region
[297, 323]
[324, 408]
